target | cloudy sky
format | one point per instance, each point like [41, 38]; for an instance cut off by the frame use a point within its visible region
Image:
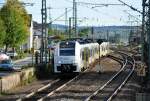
[98, 16]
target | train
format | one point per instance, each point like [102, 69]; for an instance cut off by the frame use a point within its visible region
[74, 56]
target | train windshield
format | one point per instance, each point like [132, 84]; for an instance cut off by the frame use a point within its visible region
[67, 49]
[67, 52]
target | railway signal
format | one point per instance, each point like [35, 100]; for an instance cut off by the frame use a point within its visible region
[99, 41]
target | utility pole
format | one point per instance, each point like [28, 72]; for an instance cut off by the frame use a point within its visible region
[76, 33]
[148, 35]
[92, 32]
[69, 27]
[66, 19]
[143, 30]
[43, 50]
[75, 18]
[50, 17]
[107, 35]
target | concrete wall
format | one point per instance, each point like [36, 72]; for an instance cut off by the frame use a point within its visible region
[15, 79]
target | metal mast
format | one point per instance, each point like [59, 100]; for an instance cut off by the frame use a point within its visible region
[66, 19]
[44, 32]
[143, 30]
[70, 27]
[74, 18]
[148, 34]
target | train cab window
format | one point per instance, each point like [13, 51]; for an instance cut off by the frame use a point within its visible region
[67, 49]
[67, 52]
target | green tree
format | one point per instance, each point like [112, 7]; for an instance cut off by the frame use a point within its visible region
[84, 32]
[15, 21]
[59, 34]
[2, 32]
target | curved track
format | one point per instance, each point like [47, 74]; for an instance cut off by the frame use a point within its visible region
[67, 84]
[121, 76]
[111, 88]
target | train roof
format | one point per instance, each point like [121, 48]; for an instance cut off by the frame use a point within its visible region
[82, 40]
[86, 41]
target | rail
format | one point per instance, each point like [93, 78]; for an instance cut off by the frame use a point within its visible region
[108, 82]
[123, 83]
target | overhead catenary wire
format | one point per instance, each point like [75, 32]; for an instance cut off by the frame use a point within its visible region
[87, 4]
[96, 4]
[100, 12]
[133, 16]
[131, 7]
[61, 15]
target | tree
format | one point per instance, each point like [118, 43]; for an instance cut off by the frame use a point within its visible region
[2, 32]
[84, 32]
[16, 22]
[60, 34]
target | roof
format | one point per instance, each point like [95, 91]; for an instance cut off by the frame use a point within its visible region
[4, 57]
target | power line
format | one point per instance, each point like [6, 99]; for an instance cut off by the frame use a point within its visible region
[85, 4]
[100, 12]
[133, 16]
[131, 7]
[96, 4]
[61, 15]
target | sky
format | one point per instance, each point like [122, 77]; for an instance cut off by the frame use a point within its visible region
[88, 16]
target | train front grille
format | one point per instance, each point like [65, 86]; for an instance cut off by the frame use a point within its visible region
[66, 68]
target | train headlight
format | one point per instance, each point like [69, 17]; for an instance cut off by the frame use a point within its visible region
[59, 62]
[74, 62]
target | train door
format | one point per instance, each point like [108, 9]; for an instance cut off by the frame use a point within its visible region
[86, 57]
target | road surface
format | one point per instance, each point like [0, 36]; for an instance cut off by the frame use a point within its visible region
[18, 64]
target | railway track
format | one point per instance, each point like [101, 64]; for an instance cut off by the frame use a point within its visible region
[112, 87]
[48, 96]
[48, 89]
[53, 87]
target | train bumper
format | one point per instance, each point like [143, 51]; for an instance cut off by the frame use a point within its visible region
[66, 68]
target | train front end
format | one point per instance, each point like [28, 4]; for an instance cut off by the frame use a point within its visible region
[65, 60]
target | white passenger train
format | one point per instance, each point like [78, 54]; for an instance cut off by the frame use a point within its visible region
[76, 56]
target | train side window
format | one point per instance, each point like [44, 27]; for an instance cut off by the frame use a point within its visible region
[82, 55]
[91, 52]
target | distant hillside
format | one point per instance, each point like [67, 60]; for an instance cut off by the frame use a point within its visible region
[99, 32]
[101, 28]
